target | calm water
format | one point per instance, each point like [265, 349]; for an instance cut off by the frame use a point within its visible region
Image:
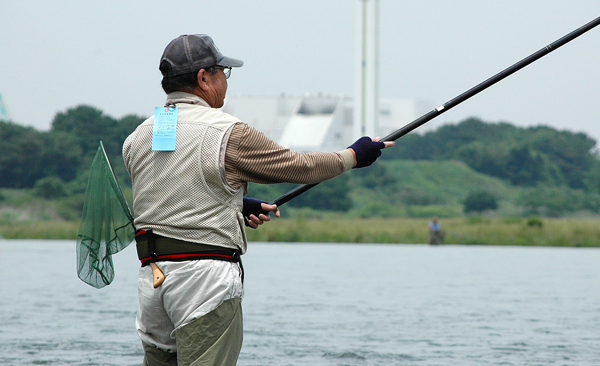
[319, 304]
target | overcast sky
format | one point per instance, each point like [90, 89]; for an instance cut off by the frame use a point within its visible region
[55, 55]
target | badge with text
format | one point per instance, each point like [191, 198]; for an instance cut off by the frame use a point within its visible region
[165, 129]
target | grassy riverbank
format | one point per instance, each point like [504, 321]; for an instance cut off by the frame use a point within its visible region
[496, 231]
[500, 231]
[40, 230]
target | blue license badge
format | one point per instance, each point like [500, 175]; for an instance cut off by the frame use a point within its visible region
[165, 129]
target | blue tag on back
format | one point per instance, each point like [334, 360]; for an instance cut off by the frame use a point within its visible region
[165, 129]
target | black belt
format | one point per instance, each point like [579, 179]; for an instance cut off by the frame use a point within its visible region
[157, 248]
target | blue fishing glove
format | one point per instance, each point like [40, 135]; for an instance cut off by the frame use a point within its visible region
[366, 150]
[252, 206]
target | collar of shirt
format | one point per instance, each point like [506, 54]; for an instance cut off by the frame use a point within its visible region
[183, 97]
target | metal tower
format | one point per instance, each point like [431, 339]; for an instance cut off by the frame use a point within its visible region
[3, 111]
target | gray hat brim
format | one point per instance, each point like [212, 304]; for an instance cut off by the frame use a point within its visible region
[230, 62]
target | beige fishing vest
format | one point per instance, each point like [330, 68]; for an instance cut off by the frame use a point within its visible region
[183, 194]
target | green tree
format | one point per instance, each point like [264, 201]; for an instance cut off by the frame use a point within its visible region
[450, 138]
[27, 155]
[572, 152]
[412, 147]
[480, 201]
[373, 177]
[592, 177]
[330, 195]
[524, 167]
[552, 201]
[50, 187]
[525, 156]
[21, 161]
[484, 158]
[125, 126]
[88, 126]
[61, 155]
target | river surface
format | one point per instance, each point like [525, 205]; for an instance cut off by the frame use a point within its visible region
[327, 304]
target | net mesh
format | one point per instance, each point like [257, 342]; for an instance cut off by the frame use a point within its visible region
[106, 224]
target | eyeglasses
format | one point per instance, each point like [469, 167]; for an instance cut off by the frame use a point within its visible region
[226, 70]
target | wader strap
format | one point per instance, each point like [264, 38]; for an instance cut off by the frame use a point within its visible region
[151, 244]
[156, 248]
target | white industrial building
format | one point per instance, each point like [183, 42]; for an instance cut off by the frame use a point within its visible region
[332, 122]
[318, 122]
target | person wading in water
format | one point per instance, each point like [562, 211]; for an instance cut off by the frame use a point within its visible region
[189, 165]
[436, 235]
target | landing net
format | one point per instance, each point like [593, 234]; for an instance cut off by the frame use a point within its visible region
[106, 224]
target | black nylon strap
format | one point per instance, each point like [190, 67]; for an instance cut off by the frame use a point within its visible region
[156, 248]
[151, 244]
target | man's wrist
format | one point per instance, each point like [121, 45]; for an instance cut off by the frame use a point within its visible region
[349, 158]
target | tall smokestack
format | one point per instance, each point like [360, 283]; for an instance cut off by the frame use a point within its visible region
[366, 94]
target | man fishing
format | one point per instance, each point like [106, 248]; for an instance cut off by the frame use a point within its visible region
[190, 164]
[436, 235]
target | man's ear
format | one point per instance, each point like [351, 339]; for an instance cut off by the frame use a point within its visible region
[202, 79]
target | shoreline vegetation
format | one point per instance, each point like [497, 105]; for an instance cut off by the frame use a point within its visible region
[489, 182]
[533, 231]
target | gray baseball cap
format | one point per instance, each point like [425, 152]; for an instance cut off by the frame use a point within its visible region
[192, 52]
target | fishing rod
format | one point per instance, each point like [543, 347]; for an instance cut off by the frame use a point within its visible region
[459, 99]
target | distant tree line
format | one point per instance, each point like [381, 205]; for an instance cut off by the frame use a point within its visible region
[66, 151]
[558, 170]
[529, 157]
